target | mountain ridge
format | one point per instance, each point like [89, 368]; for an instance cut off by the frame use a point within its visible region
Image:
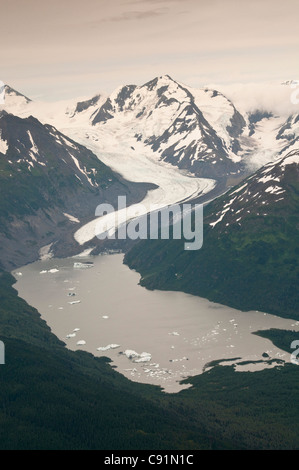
[49, 184]
[198, 130]
[249, 258]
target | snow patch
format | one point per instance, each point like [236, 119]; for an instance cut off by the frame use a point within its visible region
[71, 218]
[45, 252]
[3, 144]
[274, 190]
[290, 160]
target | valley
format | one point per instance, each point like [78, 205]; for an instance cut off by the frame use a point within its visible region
[227, 312]
[179, 335]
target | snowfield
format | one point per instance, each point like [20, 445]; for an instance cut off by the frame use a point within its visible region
[115, 145]
[122, 130]
[3, 145]
[173, 184]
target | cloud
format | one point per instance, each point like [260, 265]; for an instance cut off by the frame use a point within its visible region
[275, 98]
[153, 2]
[128, 41]
[134, 15]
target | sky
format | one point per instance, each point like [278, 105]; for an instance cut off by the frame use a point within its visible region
[62, 49]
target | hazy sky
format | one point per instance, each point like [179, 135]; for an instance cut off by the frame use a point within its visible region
[67, 48]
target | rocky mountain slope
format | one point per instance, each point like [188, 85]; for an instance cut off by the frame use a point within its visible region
[198, 130]
[249, 258]
[146, 133]
[48, 185]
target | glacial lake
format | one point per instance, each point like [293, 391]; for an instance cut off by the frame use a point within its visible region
[153, 337]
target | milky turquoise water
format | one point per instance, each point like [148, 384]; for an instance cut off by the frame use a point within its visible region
[180, 333]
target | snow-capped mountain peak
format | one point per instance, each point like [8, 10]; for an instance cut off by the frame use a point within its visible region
[198, 130]
[267, 190]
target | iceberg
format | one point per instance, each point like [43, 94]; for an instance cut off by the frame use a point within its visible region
[144, 357]
[110, 346]
[133, 355]
[51, 271]
[130, 353]
[78, 265]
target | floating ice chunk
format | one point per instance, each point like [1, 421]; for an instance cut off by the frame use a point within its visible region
[51, 271]
[103, 348]
[144, 357]
[131, 354]
[145, 354]
[109, 346]
[83, 265]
